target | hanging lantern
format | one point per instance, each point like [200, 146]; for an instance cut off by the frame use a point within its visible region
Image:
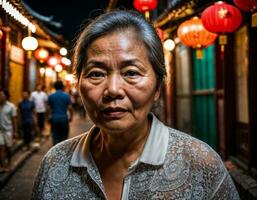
[160, 33]
[41, 55]
[248, 6]
[1, 34]
[193, 34]
[29, 43]
[221, 18]
[145, 6]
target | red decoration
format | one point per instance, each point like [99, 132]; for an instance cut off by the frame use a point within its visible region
[145, 5]
[192, 33]
[246, 5]
[160, 33]
[1, 34]
[41, 54]
[221, 18]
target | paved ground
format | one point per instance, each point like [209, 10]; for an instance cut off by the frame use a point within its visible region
[19, 187]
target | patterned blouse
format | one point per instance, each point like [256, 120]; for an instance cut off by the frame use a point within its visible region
[173, 165]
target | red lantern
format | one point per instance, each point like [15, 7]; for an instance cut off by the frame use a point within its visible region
[145, 5]
[192, 33]
[246, 5]
[221, 18]
[41, 54]
[160, 33]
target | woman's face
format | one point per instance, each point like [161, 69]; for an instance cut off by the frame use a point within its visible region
[118, 84]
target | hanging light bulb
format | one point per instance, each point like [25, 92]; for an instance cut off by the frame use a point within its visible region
[63, 51]
[29, 43]
[58, 68]
[169, 44]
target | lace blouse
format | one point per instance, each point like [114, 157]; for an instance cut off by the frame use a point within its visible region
[173, 165]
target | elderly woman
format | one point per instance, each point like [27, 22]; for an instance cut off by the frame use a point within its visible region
[128, 153]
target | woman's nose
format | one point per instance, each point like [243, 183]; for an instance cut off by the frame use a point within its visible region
[114, 87]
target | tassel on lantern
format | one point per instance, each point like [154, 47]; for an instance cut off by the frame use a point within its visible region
[223, 40]
[199, 54]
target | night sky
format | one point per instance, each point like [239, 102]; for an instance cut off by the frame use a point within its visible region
[72, 14]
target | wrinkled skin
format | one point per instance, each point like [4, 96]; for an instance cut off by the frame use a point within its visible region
[118, 84]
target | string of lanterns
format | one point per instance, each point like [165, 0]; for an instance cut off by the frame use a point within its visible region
[218, 19]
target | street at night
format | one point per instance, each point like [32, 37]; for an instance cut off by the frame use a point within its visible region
[170, 86]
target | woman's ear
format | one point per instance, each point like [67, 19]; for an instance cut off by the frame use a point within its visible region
[157, 93]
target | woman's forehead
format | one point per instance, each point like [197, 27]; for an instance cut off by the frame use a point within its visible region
[117, 41]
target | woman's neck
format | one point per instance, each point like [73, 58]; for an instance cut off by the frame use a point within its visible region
[125, 147]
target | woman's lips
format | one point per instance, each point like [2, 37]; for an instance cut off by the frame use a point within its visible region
[114, 112]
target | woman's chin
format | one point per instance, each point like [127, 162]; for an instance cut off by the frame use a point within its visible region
[115, 126]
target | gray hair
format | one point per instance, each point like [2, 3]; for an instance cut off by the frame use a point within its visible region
[121, 20]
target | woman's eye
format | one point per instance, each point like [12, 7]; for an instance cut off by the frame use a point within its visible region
[131, 73]
[95, 74]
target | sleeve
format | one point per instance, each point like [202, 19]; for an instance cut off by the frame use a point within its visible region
[215, 178]
[222, 186]
[226, 190]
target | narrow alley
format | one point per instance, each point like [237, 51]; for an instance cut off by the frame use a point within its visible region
[20, 184]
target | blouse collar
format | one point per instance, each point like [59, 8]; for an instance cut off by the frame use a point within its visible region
[153, 153]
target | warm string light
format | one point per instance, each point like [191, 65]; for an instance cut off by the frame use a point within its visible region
[8, 8]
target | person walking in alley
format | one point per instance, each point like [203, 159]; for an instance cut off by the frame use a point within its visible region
[26, 113]
[39, 97]
[8, 128]
[60, 113]
[128, 154]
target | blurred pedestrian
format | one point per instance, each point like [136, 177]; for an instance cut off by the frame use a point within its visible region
[26, 111]
[8, 128]
[39, 97]
[60, 113]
